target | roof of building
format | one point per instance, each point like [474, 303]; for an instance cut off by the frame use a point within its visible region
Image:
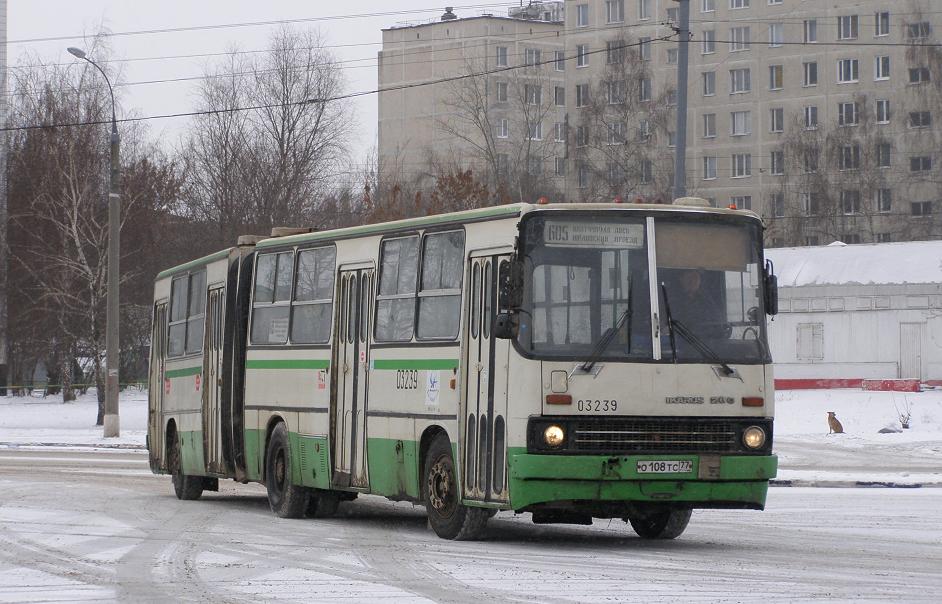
[863, 264]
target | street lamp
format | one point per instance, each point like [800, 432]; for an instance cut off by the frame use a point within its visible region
[112, 360]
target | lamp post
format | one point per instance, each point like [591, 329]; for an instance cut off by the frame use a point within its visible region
[112, 353]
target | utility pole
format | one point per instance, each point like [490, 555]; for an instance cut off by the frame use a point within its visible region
[112, 350]
[680, 148]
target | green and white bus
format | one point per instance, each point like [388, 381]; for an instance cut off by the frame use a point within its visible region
[574, 361]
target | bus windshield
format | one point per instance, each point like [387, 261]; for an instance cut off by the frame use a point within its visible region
[588, 295]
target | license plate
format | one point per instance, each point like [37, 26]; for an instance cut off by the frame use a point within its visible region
[664, 466]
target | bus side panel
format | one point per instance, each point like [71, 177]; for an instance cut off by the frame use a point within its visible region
[393, 463]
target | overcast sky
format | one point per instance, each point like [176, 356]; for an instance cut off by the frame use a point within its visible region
[28, 19]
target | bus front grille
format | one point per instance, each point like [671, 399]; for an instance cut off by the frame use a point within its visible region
[654, 436]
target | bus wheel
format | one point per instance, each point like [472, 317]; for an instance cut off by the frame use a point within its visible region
[187, 488]
[287, 500]
[447, 516]
[322, 504]
[659, 524]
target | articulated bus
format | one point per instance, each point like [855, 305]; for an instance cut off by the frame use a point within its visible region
[573, 361]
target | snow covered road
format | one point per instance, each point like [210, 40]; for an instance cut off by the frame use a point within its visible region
[96, 526]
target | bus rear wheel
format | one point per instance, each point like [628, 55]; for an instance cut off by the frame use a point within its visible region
[659, 523]
[186, 488]
[287, 500]
[446, 515]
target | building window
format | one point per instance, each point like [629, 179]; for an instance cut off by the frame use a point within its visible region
[742, 165]
[582, 175]
[884, 201]
[881, 24]
[778, 163]
[919, 75]
[533, 57]
[503, 128]
[810, 206]
[778, 205]
[777, 119]
[672, 16]
[709, 168]
[847, 26]
[559, 60]
[615, 11]
[811, 30]
[921, 208]
[709, 125]
[740, 81]
[614, 52]
[560, 166]
[920, 119]
[533, 94]
[847, 114]
[776, 34]
[582, 95]
[848, 71]
[709, 42]
[921, 163]
[776, 77]
[709, 83]
[582, 15]
[644, 9]
[918, 30]
[850, 202]
[559, 132]
[647, 171]
[707, 6]
[883, 111]
[810, 73]
[582, 57]
[741, 202]
[672, 56]
[644, 130]
[644, 48]
[503, 164]
[188, 310]
[535, 131]
[582, 136]
[881, 68]
[738, 39]
[740, 123]
[501, 92]
[811, 117]
[502, 56]
[644, 89]
[883, 155]
[810, 161]
[617, 92]
[850, 157]
[559, 96]
[739, 4]
[616, 133]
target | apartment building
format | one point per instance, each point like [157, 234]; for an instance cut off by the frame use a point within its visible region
[824, 117]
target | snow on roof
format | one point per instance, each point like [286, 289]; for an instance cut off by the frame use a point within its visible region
[865, 264]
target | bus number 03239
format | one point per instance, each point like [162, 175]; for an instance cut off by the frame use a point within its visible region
[407, 379]
[590, 405]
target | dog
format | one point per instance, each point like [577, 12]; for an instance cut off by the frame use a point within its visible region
[834, 424]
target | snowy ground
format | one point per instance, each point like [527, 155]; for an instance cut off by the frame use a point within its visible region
[807, 454]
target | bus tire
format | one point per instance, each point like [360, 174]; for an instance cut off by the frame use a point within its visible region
[660, 524]
[322, 504]
[446, 515]
[287, 500]
[186, 488]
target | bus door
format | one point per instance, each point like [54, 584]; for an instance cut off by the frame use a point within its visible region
[212, 381]
[351, 341]
[484, 412]
[155, 392]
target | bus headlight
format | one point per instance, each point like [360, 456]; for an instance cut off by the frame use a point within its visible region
[554, 435]
[753, 437]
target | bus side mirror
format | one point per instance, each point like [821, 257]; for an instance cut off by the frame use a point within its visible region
[771, 289]
[505, 326]
[510, 284]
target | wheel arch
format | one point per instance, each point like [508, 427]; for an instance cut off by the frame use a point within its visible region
[425, 442]
[273, 421]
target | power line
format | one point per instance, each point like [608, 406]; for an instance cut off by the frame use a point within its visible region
[334, 98]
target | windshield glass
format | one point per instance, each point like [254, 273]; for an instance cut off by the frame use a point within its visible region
[581, 271]
[581, 275]
[711, 275]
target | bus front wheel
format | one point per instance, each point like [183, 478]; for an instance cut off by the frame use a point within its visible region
[446, 515]
[659, 523]
[287, 500]
[186, 488]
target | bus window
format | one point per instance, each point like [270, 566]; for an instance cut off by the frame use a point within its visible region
[312, 306]
[440, 295]
[197, 312]
[272, 298]
[395, 302]
[475, 299]
[486, 319]
[177, 336]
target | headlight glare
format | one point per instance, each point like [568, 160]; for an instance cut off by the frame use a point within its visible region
[753, 437]
[554, 435]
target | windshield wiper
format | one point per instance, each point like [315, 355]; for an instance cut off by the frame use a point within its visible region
[609, 335]
[701, 346]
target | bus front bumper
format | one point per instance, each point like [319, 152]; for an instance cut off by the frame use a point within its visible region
[713, 481]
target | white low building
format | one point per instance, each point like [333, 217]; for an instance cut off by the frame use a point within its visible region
[851, 312]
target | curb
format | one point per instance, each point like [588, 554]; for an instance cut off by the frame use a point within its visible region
[854, 484]
[122, 446]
